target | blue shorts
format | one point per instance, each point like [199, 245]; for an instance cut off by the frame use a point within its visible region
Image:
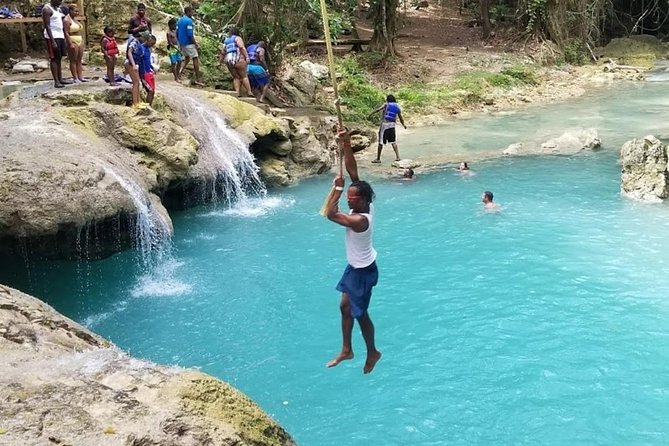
[357, 283]
[175, 57]
[258, 77]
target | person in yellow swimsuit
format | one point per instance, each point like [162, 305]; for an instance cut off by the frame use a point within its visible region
[75, 42]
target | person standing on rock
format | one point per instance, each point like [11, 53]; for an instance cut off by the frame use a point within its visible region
[140, 22]
[54, 35]
[361, 273]
[75, 42]
[391, 112]
[236, 58]
[257, 70]
[187, 43]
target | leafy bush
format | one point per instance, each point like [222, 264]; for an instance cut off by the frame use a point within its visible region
[575, 52]
[359, 95]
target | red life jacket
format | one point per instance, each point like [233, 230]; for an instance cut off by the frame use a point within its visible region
[109, 44]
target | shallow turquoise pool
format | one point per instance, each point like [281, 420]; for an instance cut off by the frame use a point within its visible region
[545, 323]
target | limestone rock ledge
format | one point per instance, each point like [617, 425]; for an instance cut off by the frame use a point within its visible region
[78, 161]
[644, 170]
[63, 385]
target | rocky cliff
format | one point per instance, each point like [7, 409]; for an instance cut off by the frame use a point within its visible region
[644, 170]
[64, 385]
[78, 160]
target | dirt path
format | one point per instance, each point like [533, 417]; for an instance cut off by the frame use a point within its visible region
[435, 44]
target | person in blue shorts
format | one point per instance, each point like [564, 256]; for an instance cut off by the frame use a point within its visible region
[173, 49]
[361, 273]
[259, 80]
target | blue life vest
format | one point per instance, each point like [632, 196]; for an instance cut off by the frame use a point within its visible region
[231, 44]
[251, 49]
[392, 110]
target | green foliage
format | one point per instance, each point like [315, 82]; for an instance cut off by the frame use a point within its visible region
[525, 74]
[359, 95]
[575, 52]
[536, 11]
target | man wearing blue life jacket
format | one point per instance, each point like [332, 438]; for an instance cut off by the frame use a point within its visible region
[391, 112]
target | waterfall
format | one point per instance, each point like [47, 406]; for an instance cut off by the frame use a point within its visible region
[231, 168]
[151, 230]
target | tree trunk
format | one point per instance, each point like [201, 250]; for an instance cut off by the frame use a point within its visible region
[384, 14]
[485, 19]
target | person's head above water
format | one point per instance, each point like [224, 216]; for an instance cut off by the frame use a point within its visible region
[408, 173]
[487, 197]
[463, 166]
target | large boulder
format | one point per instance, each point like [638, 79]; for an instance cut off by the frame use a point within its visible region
[644, 170]
[300, 85]
[641, 50]
[62, 384]
[165, 150]
[250, 120]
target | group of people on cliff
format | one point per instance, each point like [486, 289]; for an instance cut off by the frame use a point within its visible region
[248, 66]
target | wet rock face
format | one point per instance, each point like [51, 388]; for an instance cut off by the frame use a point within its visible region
[77, 165]
[62, 384]
[644, 170]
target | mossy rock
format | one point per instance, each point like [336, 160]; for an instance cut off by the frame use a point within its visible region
[157, 142]
[203, 395]
[249, 119]
[639, 60]
[630, 48]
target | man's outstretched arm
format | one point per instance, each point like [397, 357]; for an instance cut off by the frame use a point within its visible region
[344, 141]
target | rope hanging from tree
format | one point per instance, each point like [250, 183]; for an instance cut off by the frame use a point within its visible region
[333, 76]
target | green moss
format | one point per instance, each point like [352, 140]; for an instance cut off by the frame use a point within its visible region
[206, 396]
[82, 118]
[360, 96]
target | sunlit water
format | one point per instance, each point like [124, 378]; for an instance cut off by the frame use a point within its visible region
[546, 323]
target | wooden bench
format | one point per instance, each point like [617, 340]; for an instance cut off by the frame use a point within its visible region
[32, 20]
[356, 43]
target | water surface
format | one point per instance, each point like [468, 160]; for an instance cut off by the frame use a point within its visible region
[545, 323]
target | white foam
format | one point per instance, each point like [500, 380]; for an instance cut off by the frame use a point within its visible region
[254, 207]
[161, 282]
[95, 319]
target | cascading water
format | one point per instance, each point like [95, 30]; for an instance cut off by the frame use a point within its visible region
[232, 169]
[151, 230]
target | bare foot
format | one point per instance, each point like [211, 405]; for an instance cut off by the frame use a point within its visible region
[372, 359]
[340, 357]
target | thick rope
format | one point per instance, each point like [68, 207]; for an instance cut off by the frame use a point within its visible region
[333, 76]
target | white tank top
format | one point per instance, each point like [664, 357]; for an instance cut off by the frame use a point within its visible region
[55, 23]
[359, 250]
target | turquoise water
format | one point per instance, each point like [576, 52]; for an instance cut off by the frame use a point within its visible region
[545, 323]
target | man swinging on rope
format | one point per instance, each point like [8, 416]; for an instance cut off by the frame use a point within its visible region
[361, 274]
